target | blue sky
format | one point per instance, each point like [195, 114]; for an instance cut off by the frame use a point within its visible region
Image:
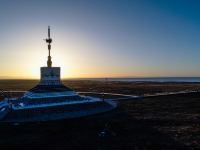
[101, 38]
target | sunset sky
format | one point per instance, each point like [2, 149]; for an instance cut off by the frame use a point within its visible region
[101, 38]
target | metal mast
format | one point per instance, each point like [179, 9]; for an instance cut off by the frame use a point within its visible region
[49, 40]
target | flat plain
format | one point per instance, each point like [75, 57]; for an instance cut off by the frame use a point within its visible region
[167, 122]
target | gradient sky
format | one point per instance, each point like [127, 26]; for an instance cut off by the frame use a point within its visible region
[101, 38]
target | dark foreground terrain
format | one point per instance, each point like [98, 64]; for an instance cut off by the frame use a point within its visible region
[163, 122]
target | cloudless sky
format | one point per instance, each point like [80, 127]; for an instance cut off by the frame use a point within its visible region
[101, 38]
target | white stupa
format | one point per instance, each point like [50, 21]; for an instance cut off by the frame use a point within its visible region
[51, 100]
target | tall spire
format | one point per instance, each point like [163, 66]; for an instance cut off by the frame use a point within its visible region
[49, 40]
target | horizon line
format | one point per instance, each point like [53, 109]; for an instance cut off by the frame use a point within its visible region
[82, 78]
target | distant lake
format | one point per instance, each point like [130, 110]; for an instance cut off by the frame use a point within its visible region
[153, 79]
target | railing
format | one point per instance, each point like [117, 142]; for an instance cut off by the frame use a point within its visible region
[3, 103]
[125, 96]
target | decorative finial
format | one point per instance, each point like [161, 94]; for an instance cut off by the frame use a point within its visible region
[49, 40]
